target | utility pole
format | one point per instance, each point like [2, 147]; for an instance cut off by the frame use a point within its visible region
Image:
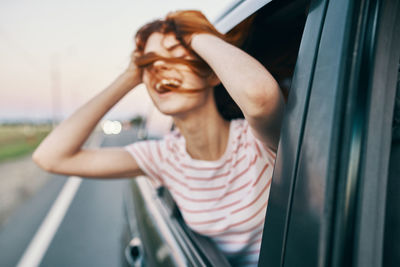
[55, 89]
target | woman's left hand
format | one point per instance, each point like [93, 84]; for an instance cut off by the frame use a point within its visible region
[190, 23]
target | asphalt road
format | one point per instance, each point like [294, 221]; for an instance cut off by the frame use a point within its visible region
[93, 231]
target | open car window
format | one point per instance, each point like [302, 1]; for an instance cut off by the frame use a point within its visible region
[273, 39]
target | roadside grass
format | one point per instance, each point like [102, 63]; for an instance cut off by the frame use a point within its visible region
[20, 140]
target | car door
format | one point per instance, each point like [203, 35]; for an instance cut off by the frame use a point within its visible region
[329, 193]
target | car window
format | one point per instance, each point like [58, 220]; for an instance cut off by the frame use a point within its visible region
[327, 198]
[274, 40]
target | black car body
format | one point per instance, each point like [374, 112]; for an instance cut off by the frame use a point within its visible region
[335, 195]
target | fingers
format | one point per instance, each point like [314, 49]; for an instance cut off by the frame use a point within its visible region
[188, 23]
[133, 71]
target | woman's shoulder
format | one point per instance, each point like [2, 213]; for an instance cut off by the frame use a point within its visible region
[173, 136]
[238, 124]
[239, 128]
[246, 139]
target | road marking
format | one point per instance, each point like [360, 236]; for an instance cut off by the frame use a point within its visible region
[38, 246]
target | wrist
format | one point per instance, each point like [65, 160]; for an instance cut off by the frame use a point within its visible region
[131, 78]
[199, 39]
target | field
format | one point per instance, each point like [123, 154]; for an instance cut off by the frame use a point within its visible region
[19, 140]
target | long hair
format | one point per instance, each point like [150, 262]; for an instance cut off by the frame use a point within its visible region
[183, 24]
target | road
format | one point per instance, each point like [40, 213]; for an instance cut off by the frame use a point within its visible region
[17, 185]
[91, 233]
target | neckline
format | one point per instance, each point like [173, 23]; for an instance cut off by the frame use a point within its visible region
[211, 162]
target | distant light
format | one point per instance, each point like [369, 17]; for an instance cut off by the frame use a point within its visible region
[117, 127]
[111, 127]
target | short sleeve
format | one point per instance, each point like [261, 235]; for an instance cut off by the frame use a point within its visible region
[259, 147]
[148, 156]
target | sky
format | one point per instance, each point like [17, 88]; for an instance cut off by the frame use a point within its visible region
[55, 55]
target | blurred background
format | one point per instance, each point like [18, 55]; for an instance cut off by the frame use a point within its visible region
[55, 55]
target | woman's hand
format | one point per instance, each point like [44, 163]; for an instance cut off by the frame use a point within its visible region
[188, 24]
[62, 151]
[133, 73]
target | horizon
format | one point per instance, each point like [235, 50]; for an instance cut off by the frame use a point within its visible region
[57, 55]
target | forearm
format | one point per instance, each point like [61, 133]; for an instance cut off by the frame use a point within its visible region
[251, 86]
[68, 137]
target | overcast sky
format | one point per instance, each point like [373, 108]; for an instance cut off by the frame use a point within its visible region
[64, 52]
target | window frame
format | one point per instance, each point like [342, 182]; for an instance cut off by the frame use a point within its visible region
[333, 158]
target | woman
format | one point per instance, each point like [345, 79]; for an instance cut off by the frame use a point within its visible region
[218, 171]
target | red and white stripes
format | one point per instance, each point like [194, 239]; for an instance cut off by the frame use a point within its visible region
[224, 199]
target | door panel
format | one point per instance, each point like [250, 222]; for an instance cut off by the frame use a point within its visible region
[272, 248]
[310, 215]
[380, 189]
[337, 214]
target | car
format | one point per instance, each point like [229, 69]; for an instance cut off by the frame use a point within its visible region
[335, 194]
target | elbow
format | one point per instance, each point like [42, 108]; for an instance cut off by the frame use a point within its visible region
[43, 161]
[264, 100]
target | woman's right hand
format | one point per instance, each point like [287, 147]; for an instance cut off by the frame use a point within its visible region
[133, 73]
[62, 150]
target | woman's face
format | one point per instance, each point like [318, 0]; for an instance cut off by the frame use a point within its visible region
[169, 102]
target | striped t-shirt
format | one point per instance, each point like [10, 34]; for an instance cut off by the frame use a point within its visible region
[224, 199]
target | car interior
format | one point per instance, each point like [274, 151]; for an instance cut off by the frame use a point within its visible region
[274, 40]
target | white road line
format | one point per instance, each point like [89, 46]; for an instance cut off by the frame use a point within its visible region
[38, 246]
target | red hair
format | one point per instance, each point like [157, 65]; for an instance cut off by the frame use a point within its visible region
[183, 24]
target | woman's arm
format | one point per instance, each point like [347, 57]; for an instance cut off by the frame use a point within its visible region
[61, 151]
[251, 86]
